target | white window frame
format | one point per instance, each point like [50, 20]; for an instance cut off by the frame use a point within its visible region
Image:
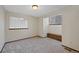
[16, 23]
[53, 20]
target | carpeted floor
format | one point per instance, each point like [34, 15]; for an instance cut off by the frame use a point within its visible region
[35, 45]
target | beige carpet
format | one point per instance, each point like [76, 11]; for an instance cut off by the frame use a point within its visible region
[35, 45]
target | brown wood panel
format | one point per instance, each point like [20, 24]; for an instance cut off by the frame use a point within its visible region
[55, 36]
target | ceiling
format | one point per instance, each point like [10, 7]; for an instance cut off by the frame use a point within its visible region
[27, 9]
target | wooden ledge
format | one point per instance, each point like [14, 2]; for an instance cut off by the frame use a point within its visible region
[17, 28]
[55, 36]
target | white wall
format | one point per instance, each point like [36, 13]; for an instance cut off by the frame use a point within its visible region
[12, 35]
[40, 27]
[71, 27]
[43, 26]
[55, 29]
[2, 30]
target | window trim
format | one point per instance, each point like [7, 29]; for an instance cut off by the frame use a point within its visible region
[16, 28]
[50, 20]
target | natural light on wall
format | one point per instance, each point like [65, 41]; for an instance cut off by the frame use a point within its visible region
[17, 23]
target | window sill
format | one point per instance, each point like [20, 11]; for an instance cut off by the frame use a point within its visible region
[18, 28]
[55, 24]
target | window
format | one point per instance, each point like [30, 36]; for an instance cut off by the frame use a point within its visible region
[55, 20]
[17, 23]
